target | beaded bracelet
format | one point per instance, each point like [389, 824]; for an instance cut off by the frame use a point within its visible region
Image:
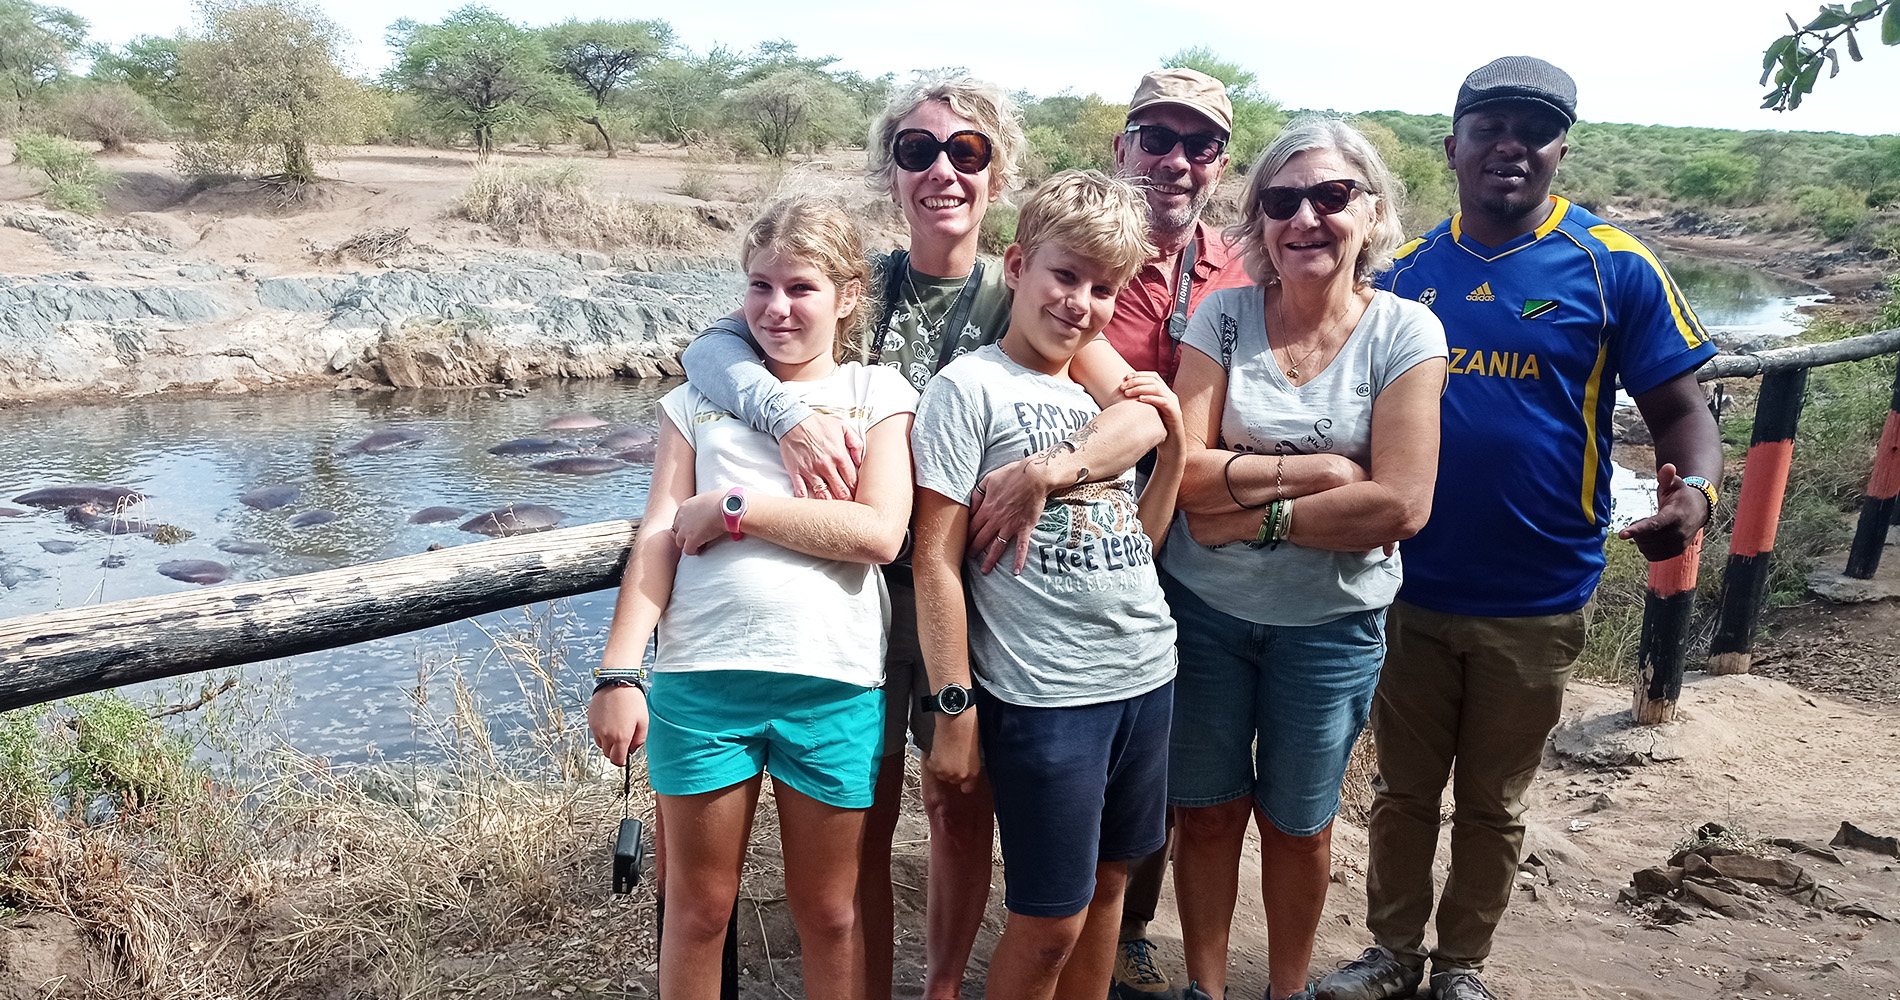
[1269, 523]
[604, 679]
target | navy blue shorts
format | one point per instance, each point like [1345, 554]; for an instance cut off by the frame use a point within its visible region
[1074, 787]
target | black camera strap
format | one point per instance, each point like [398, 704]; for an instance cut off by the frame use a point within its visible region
[626, 788]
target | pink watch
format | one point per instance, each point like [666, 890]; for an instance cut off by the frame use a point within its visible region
[733, 507]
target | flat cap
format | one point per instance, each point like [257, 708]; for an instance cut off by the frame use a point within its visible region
[1518, 78]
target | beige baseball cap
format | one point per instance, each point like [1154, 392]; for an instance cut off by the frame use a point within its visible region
[1188, 88]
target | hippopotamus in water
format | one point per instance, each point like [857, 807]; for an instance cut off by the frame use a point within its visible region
[110, 520]
[312, 517]
[80, 493]
[384, 441]
[11, 512]
[436, 515]
[628, 437]
[580, 465]
[242, 548]
[58, 547]
[514, 519]
[268, 497]
[195, 570]
[530, 446]
[638, 453]
[574, 422]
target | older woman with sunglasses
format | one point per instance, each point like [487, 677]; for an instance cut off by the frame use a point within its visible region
[944, 149]
[1310, 403]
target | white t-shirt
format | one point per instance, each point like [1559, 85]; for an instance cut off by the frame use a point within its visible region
[753, 605]
[1265, 414]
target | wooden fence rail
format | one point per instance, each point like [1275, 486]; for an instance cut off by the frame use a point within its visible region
[1669, 604]
[55, 654]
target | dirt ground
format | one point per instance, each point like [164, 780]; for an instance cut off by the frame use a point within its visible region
[1793, 753]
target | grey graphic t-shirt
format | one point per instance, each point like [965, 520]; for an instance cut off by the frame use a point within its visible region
[1268, 415]
[911, 339]
[1085, 623]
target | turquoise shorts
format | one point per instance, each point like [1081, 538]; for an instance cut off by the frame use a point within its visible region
[712, 729]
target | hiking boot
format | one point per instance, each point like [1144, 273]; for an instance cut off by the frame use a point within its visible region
[1377, 974]
[1135, 976]
[1459, 984]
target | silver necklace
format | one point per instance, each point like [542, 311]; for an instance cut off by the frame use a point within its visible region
[926, 325]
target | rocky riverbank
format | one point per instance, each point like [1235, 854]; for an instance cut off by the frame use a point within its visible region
[139, 317]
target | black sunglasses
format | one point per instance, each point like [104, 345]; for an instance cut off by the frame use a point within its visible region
[915, 149]
[1328, 198]
[1160, 140]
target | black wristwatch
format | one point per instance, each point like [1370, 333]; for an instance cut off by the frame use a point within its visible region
[951, 699]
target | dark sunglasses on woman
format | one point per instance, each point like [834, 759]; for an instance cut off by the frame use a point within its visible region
[915, 149]
[1160, 140]
[1328, 198]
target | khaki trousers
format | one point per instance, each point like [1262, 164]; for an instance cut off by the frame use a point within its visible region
[1473, 700]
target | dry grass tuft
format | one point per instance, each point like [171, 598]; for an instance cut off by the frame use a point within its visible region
[557, 203]
[484, 871]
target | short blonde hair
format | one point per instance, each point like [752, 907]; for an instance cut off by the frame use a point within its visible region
[820, 232]
[1099, 218]
[1319, 131]
[985, 105]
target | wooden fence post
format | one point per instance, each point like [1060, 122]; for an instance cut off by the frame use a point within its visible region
[1667, 607]
[1879, 509]
[1752, 541]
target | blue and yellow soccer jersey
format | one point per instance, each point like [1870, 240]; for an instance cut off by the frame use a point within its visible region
[1540, 329]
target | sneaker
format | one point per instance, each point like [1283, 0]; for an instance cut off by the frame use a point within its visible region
[1459, 984]
[1135, 976]
[1377, 974]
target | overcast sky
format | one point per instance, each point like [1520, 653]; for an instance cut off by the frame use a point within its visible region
[1663, 62]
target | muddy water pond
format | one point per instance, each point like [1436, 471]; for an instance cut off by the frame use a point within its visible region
[320, 505]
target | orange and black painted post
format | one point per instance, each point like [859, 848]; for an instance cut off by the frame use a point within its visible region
[1879, 508]
[1752, 540]
[1667, 608]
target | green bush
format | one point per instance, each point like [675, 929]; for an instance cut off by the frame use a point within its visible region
[1716, 178]
[999, 228]
[74, 180]
[1835, 211]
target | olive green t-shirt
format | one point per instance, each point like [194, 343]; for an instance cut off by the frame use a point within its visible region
[920, 306]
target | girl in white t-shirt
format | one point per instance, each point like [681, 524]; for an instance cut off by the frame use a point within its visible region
[770, 615]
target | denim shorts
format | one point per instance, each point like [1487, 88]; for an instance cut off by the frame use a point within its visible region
[1074, 787]
[711, 729]
[1271, 710]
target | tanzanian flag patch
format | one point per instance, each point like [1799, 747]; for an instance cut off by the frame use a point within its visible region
[1538, 308]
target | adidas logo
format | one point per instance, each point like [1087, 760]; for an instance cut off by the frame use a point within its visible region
[1482, 293]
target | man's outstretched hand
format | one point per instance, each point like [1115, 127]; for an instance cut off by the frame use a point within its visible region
[1681, 511]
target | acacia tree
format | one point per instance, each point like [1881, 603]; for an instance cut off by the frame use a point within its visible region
[682, 98]
[264, 92]
[479, 74]
[36, 42]
[149, 65]
[1795, 60]
[793, 108]
[602, 57]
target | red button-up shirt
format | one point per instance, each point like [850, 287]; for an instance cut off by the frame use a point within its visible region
[1139, 329]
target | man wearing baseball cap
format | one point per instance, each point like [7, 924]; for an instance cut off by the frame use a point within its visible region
[1547, 308]
[1174, 149]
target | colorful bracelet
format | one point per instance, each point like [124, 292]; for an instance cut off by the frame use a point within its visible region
[1703, 486]
[1269, 523]
[1285, 525]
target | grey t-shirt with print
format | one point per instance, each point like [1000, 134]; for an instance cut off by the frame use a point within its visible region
[1085, 622]
[1266, 414]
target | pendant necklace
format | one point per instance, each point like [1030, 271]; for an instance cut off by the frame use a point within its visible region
[925, 325]
[1293, 368]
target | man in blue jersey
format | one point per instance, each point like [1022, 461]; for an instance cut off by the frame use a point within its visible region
[1546, 308]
